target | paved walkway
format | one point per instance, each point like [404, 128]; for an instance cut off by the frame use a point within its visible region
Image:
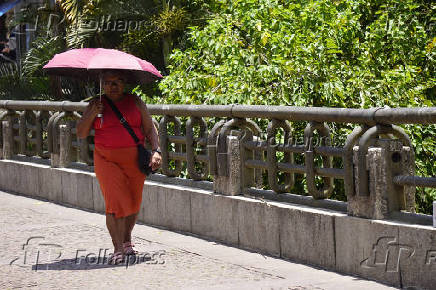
[49, 246]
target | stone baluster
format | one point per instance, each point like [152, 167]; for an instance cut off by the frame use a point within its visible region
[65, 146]
[387, 159]
[230, 184]
[8, 140]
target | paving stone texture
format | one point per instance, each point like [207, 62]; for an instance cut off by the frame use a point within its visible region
[50, 246]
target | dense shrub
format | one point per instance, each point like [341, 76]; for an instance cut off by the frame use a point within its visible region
[343, 53]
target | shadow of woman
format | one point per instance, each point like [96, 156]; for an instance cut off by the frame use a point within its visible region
[82, 263]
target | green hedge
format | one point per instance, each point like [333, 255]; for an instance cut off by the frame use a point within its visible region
[353, 54]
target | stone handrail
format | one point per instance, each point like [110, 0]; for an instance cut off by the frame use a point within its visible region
[226, 145]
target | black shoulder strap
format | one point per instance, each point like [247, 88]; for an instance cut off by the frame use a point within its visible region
[122, 120]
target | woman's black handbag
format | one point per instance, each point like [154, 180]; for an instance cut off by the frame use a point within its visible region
[144, 155]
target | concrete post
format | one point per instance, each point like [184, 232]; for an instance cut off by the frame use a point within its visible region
[384, 162]
[1, 139]
[54, 157]
[22, 133]
[65, 146]
[258, 178]
[8, 140]
[54, 160]
[84, 148]
[230, 185]
[434, 214]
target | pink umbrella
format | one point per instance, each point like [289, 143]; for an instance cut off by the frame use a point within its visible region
[87, 63]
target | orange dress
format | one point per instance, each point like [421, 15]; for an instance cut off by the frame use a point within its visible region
[116, 157]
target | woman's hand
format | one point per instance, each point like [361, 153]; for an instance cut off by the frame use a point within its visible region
[155, 161]
[96, 108]
[84, 125]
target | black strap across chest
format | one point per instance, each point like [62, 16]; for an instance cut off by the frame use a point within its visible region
[123, 121]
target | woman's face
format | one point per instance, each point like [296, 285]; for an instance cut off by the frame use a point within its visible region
[113, 86]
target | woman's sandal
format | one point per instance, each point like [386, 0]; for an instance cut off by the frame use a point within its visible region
[116, 258]
[128, 249]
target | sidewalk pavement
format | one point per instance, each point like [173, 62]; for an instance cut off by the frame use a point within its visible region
[49, 246]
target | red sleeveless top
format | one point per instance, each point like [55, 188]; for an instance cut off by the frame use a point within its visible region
[110, 133]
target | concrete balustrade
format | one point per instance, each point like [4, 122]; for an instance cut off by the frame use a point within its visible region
[393, 252]
[97, 197]
[215, 216]
[434, 214]
[320, 237]
[374, 238]
[7, 149]
[388, 159]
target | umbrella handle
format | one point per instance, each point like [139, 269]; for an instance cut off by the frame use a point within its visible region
[101, 119]
[100, 115]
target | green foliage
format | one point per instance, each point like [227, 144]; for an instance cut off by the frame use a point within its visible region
[43, 49]
[15, 86]
[170, 20]
[307, 53]
[342, 53]
[143, 43]
[26, 80]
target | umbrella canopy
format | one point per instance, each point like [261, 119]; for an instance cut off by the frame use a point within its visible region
[89, 63]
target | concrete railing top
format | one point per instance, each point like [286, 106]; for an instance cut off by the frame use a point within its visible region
[242, 156]
[382, 115]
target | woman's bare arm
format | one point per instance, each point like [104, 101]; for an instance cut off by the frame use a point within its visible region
[84, 125]
[149, 130]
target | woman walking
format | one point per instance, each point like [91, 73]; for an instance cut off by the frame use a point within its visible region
[116, 158]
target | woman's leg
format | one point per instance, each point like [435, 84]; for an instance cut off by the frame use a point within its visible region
[117, 229]
[114, 183]
[130, 222]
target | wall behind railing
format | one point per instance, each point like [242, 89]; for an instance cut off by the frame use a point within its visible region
[244, 149]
